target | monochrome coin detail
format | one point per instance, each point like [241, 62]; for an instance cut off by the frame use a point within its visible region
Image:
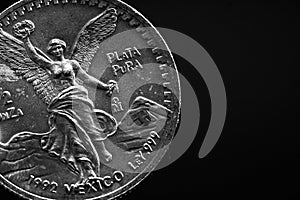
[89, 98]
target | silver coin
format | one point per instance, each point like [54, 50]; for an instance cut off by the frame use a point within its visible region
[89, 98]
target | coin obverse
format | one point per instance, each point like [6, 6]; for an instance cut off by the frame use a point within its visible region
[89, 98]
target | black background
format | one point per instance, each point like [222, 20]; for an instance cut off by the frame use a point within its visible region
[254, 44]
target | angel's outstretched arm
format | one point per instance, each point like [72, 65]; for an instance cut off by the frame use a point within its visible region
[34, 56]
[88, 79]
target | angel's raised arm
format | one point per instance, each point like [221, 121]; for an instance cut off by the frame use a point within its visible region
[34, 55]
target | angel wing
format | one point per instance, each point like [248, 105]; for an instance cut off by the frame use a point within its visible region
[13, 53]
[91, 35]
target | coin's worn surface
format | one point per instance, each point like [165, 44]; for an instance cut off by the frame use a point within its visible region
[89, 98]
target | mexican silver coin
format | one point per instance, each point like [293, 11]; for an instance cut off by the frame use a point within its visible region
[89, 98]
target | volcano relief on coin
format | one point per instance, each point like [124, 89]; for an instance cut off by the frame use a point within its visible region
[89, 98]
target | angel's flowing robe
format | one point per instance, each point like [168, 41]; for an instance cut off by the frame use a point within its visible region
[77, 129]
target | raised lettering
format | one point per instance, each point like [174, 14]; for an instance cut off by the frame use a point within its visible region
[11, 112]
[133, 166]
[45, 184]
[116, 105]
[37, 182]
[139, 64]
[118, 176]
[136, 51]
[81, 189]
[129, 65]
[107, 181]
[4, 116]
[91, 187]
[69, 188]
[129, 51]
[140, 155]
[148, 148]
[154, 134]
[20, 112]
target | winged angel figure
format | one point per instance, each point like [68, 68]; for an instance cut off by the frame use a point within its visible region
[73, 120]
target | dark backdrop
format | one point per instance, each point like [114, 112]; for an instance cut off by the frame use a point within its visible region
[254, 44]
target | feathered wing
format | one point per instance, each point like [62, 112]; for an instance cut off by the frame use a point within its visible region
[91, 35]
[13, 53]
